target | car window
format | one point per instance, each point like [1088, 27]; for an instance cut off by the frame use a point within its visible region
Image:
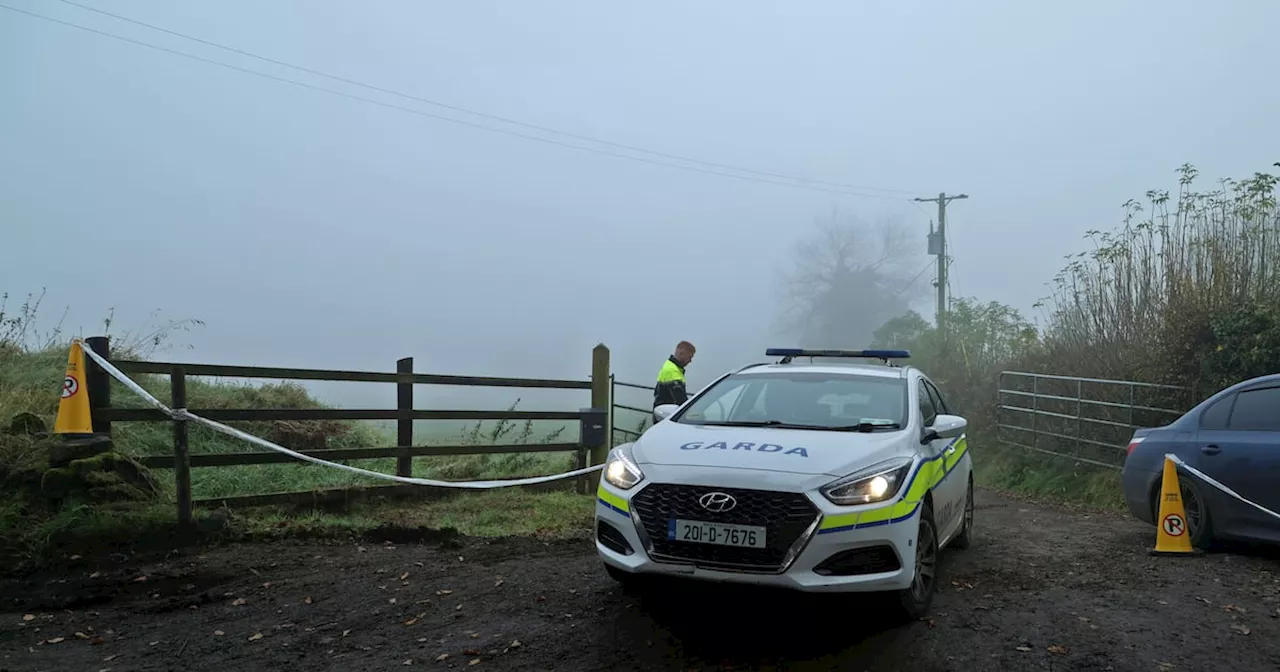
[935, 395]
[927, 410]
[802, 398]
[1256, 410]
[1217, 414]
[723, 405]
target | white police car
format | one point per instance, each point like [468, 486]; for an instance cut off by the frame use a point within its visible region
[829, 477]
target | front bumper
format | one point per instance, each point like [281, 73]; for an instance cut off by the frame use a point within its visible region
[813, 545]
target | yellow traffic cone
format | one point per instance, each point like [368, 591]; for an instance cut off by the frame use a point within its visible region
[74, 416]
[1172, 535]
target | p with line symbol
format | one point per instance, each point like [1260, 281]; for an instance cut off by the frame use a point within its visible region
[1174, 525]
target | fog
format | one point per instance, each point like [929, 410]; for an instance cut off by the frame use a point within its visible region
[310, 229]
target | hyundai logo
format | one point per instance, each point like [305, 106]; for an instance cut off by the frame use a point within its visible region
[717, 502]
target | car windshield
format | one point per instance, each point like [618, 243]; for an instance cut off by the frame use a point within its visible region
[802, 399]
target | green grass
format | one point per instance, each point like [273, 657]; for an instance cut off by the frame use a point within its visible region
[1022, 472]
[30, 381]
[490, 513]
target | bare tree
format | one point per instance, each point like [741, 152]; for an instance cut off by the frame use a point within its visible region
[848, 278]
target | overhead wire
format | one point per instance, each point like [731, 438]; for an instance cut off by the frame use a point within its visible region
[458, 108]
[813, 185]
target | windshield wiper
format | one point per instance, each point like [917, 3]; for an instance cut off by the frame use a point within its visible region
[866, 427]
[763, 423]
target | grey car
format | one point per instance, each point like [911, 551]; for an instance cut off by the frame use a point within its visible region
[1234, 438]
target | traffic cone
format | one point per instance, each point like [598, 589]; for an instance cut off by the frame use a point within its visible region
[1172, 536]
[74, 416]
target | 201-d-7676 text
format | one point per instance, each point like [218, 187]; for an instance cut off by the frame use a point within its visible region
[720, 534]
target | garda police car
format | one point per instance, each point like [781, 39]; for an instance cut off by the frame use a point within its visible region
[836, 476]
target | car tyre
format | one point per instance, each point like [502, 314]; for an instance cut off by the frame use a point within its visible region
[964, 539]
[914, 601]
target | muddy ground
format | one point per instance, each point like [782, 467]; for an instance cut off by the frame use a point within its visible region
[1042, 589]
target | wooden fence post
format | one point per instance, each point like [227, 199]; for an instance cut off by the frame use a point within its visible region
[181, 449]
[600, 384]
[98, 383]
[404, 424]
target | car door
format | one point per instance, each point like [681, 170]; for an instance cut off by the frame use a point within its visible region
[1238, 445]
[951, 491]
[945, 511]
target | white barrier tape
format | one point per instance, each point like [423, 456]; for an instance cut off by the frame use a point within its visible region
[184, 414]
[1208, 479]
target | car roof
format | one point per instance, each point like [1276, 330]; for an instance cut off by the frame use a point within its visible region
[852, 369]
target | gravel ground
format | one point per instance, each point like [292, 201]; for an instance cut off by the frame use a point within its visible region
[1042, 589]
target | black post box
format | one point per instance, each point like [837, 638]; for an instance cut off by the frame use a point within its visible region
[594, 431]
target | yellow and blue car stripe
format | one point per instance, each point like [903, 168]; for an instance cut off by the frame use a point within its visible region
[613, 501]
[928, 475]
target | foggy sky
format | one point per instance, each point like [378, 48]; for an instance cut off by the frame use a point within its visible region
[312, 230]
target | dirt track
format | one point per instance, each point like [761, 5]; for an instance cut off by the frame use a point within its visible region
[1042, 589]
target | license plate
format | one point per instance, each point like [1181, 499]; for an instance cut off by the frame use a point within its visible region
[720, 534]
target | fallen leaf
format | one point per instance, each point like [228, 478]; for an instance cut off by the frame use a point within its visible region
[404, 576]
[471, 652]
[97, 641]
[95, 575]
[1242, 629]
[1232, 607]
[81, 635]
[1202, 599]
[140, 579]
[28, 617]
[1166, 667]
[345, 633]
[475, 635]
[266, 585]
[391, 601]
[477, 660]
[110, 657]
[411, 621]
[515, 644]
[255, 637]
[499, 583]
[1084, 619]
[218, 633]
[74, 557]
[306, 600]
[1024, 648]
[239, 602]
[407, 662]
[444, 592]
[1057, 649]
[442, 657]
[458, 608]
[55, 640]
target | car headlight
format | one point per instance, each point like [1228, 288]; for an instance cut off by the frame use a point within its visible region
[875, 484]
[621, 472]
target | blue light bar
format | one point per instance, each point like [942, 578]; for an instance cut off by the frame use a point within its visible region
[805, 352]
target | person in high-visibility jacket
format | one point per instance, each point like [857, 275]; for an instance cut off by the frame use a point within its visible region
[670, 388]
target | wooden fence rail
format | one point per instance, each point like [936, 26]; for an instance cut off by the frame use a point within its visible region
[591, 448]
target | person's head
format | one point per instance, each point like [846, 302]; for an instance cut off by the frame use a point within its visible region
[684, 353]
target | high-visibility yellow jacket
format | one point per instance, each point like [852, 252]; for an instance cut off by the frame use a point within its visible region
[670, 388]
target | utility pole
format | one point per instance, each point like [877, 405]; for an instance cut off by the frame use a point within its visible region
[938, 246]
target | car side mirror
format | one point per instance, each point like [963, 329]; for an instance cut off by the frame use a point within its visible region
[664, 411]
[944, 427]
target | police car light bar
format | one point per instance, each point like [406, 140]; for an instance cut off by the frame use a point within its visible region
[805, 352]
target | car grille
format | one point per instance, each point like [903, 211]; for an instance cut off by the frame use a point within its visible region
[612, 538]
[858, 561]
[784, 515]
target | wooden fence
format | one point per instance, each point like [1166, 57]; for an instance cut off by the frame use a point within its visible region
[98, 384]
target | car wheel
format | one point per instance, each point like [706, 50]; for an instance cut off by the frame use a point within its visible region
[913, 601]
[1196, 507]
[965, 538]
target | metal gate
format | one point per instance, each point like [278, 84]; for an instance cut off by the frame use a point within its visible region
[1088, 420]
